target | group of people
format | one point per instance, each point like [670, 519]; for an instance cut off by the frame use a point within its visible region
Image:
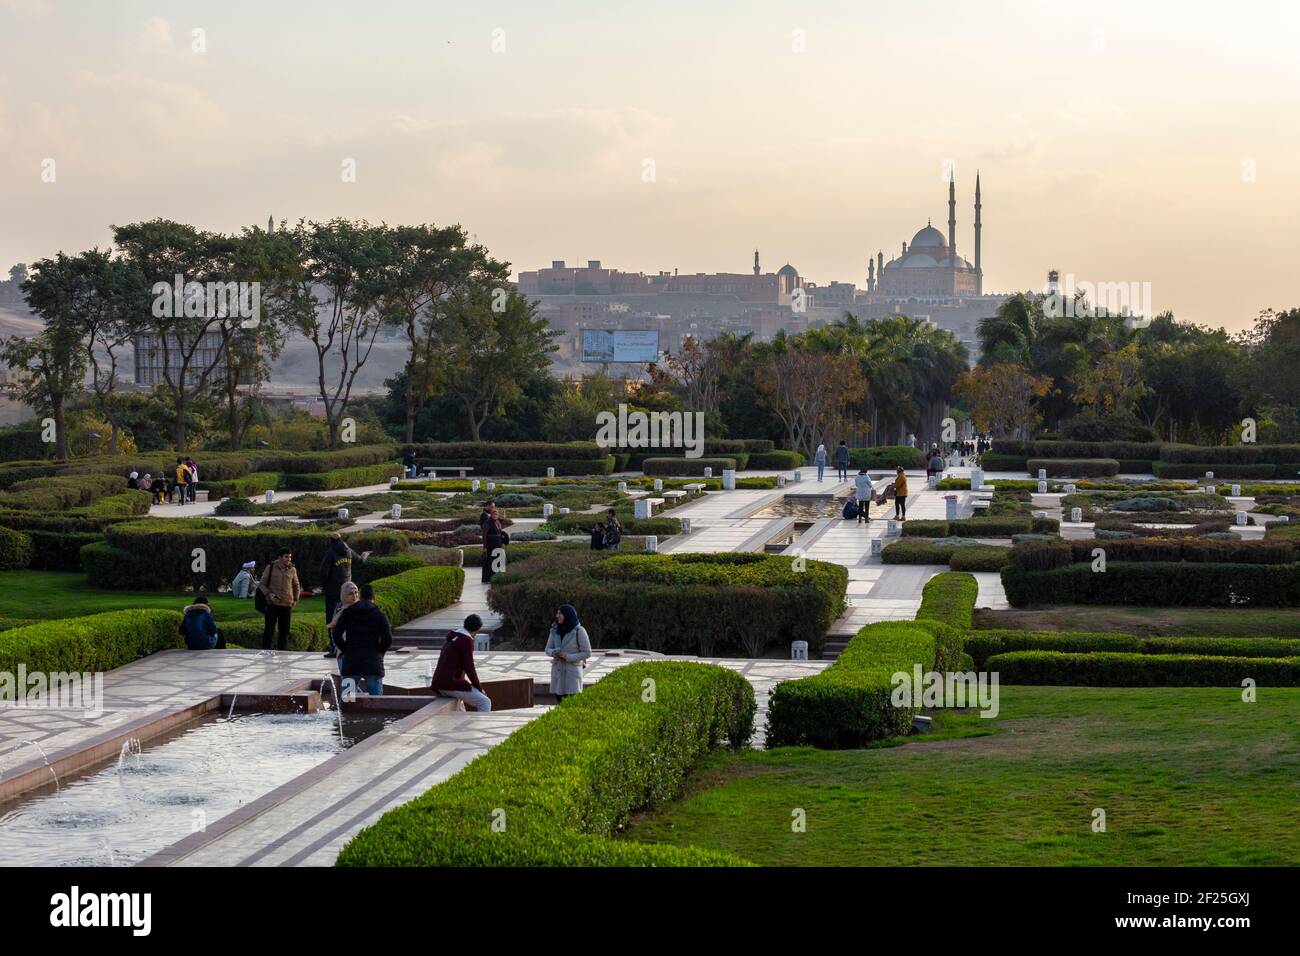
[182, 487]
[858, 505]
[607, 534]
[841, 461]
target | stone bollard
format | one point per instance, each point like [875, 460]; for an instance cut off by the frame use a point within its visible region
[1069, 489]
[976, 479]
[708, 472]
[1236, 491]
[780, 481]
[622, 487]
[1042, 487]
[641, 509]
[659, 484]
[796, 475]
[1282, 519]
[550, 472]
[395, 511]
[270, 496]
[686, 524]
[343, 514]
[392, 480]
[728, 479]
[651, 543]
[1209, 477]
[1076, 515]
[1042, 474]
[1241, 517]
[482, 642]
[877, 546]
[932, 482]
[950, 507]
[548, 509]
[798, 650]
[473, 485]
[491, 485]
[564, 511]
[1210, 489]
[892, 529]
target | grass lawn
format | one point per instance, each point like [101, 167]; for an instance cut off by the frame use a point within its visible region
[1187, 776]
[1149, 621]
[39, 595]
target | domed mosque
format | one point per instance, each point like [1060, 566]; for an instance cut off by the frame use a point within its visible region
[929, 266]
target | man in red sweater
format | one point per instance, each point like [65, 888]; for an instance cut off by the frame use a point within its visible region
[455, 675]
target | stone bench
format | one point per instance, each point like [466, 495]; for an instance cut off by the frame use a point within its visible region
[201, 495]
[432, 471]
[645, 507]
[674, 496]
[981, 504]
[694, 487]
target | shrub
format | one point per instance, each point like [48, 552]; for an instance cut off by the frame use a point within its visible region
[411, 594]
[1251, 454]
[982, 645]
[1073, 467]
[97, 642]
[61, 492]
[992, 526]
[850, 703]
[568, 780]
[383, 566]
[246, 486]
[306, 630]
[949, 598]
[357, 477]
[776, 460]
[674, 603]
[686, 466]
[517, 553]
[1155, 584]
[59, 550]
[1104, 669]
[15, 550]
[1165, 469]
[883, 456]
[980, 557]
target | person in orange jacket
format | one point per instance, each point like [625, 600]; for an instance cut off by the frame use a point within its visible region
[900, 495]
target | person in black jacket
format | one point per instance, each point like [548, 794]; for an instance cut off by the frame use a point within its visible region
[363, 636]
[198, 628]
[336, 571]
[597, 537]
[408, 463]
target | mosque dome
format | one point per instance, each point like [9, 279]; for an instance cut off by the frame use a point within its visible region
[930, 238]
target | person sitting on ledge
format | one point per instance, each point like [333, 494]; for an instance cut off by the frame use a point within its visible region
[199, 629]
[850, 511]
[245, 582]
[455, 675]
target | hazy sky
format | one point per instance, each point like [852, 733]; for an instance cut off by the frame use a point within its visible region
[1116, 141]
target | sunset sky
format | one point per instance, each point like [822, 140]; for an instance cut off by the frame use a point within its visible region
[1116, 141]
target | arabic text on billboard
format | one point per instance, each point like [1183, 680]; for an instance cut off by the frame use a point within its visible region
[607, 345]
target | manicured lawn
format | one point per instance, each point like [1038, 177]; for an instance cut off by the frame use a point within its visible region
[33, 595]
[1149, 621]
[1186, 776]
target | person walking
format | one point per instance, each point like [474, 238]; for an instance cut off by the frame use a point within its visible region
[336, 571]
[568, 647]
[363, 635]
[182, 479]
[862, 485]
[198, 627]
[495, 539]
[613, 531]
[455, 675]
[820, 458]
[842, 461]
[900, 495]
[243, 586]
[279, 589]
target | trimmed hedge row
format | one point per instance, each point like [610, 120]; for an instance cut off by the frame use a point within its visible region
[1166, 469]
[673, 603]
[850, 704]
[960, 554]
[1133, 451]
[1074, 467]
[1103, 669]
[60, 550]
[97, 642]
[439, 453]
[882, 456]
[383, 566]
[342, 477]
[1231, 454]
[61, 492]
[982, 645]
[567, 781]
[687, 466]
[1046, 555]
[776, 460]
[1151, 584]
[949, 598]
[15, 549]
[992, 526]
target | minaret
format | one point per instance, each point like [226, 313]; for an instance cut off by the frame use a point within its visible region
[979, 274]
[270, 224]
[952, 217]
[756, 269]
[871, 275]
[880, 268]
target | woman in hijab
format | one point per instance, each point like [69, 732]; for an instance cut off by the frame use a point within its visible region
[568, 648]
[494, 538]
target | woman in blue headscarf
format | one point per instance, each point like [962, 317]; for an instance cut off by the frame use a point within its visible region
[568, 647]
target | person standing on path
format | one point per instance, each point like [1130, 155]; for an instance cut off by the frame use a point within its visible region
[363, 635]
[862, 485]
[279, 590]
[820, 458]
[336, 571]
[842, 461]
[900, 495]
[568, 647]
[495, 539]
[613, 531]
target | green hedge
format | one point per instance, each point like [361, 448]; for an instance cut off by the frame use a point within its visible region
[1156, 584]
[59, 551]
[949, 598]
[358, 477]
[566, 782]
[776, 460]
[248, 486]
[959, 554]
[1130, 450]
[850, 703]
[881, 456]
[982, 645]
[383, 566]
[62, 492]
[1046, 555]
[95, 643]
[159, 553]
[996, 461]
[992, 526]
[1074, 467]
[1165, 469]
[438, 453]
[1231, 454]
[674, 603]
[1103, 669]
[686, 466]
[15, 549]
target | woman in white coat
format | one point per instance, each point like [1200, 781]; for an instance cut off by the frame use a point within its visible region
[568, 648]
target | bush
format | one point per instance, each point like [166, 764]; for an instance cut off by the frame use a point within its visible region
[982, 645]
[776, 460]
[995, 461]
[673, 603]
[569, 780]
[1103, 669]
[1074, 467]
[357, 477]
[411, 594]
[686, 466]
[993, 526]
[58, 550]
[1165, 469]
[1155, 584]
[949, 598]
[15, 550]
[882, 456]
[61, 492]
[1230, 454]
[981, 557]
[850, 703]
[247, 486]
[95, 643]
[383, 566]
[961, 554]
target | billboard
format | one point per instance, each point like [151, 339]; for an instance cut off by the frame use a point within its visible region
[619, 345]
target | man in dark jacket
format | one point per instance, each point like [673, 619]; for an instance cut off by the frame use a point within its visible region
[455, 675]
[363, 636]
[198, 628]
[408, 463]
[336, 571]
[842, 461]
[494, 539]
